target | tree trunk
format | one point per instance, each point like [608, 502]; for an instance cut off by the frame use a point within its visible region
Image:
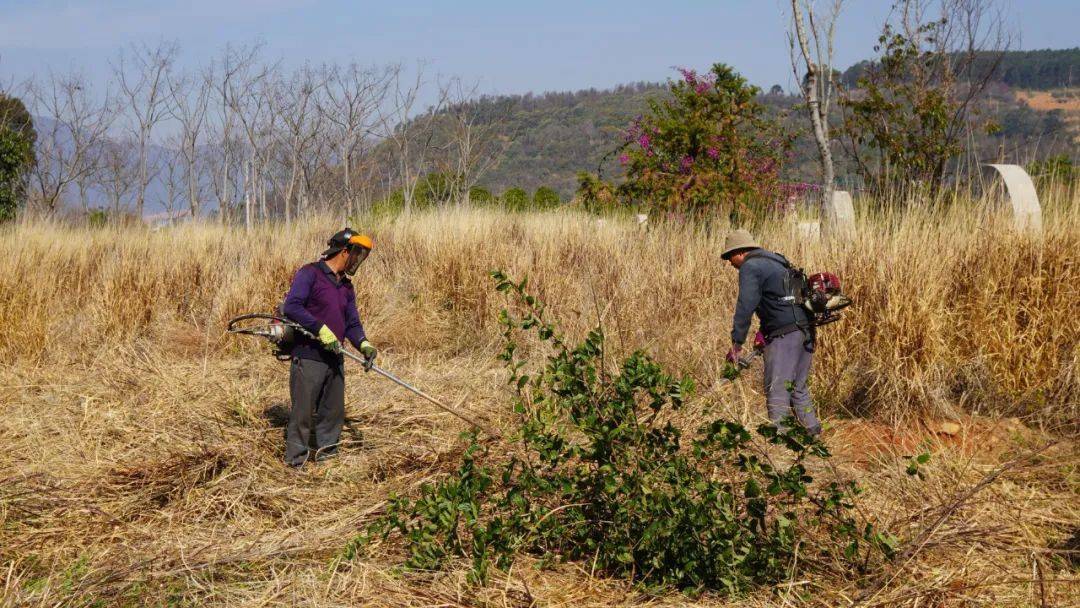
[346, 158]
[139, 200]
[193, 192]
[247, 200]
[814, 106]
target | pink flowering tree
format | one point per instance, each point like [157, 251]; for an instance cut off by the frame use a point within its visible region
[708, 149]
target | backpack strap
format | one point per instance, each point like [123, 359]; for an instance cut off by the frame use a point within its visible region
[809, 332]
[760, 253]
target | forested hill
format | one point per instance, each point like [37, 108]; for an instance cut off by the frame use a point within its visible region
[1047, 69]
[555, 135]
[1039, 70]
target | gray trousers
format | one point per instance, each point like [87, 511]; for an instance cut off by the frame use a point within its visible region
[787, 368]
[318, 410]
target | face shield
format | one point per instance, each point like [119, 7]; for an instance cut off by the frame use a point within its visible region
[357, 254]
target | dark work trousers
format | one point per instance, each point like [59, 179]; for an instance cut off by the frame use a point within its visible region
[787, 368]
[318, 407]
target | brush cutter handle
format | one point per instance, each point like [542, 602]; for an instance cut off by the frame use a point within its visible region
[266, 330]
[263, 330]
[744, 362]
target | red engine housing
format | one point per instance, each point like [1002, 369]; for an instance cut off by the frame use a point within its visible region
[824, 282]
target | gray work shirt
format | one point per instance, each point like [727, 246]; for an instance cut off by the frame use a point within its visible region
[761, 291]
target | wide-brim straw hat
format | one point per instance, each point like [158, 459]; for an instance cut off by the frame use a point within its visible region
[737, 241]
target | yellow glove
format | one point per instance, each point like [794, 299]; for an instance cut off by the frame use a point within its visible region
[329, 340]
[368, 350]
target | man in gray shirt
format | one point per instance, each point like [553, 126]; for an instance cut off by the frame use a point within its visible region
[764, 288]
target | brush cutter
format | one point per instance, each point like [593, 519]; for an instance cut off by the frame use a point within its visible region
[743, 362]
[282, 333]
[740, 365]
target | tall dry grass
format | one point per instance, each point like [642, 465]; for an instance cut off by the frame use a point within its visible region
[141, 459]
[954, 310]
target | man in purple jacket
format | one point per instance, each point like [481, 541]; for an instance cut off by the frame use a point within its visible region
[321, 299]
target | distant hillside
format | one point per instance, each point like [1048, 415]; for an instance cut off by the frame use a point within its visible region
[1040, 70]
[555, 135]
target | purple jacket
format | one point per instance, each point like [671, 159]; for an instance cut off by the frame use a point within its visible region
[317, 297]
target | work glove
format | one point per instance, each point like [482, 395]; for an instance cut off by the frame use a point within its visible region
[368, 350]
[733, 354]
[329, 340]
[759, 341]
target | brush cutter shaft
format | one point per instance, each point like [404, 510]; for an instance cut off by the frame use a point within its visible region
[405, 385]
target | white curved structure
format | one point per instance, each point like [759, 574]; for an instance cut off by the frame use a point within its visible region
[840, 214]
[1027, 213]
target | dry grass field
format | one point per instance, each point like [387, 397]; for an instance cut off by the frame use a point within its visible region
[141, 460]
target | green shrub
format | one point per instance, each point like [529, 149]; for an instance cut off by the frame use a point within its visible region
[97, 218]
[546, 198]
[16, 155]
[434, 189]
[515, 199]
[597, 195]
[481, 196]
[605, 478]
[431, 190]
[1058, 168]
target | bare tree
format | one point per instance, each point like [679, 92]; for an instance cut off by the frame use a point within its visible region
[119, 176]
[814, 46]
[411, 135]
[142, 80]
[352, 95]
[68, 139]
[190, 97]
[906, 122]
[222, 77]
[296, 103]
[474, 129]
[253, 110]
[174, 178]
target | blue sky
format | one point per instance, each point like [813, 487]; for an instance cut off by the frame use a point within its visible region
[506, 47]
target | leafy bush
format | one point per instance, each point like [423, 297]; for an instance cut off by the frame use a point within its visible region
[17, 138]
[431, 190]
[481, 196]
[15, 156]
[545, 198]
[595, 194]
[97, 218]
[710, 147]
[1058, 168]
[603, 476]
[515, 199]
